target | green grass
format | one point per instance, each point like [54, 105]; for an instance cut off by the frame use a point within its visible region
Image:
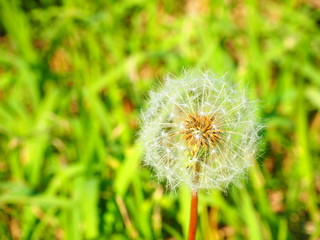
[74, 76]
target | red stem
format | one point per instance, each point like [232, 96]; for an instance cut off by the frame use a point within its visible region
[193, 216]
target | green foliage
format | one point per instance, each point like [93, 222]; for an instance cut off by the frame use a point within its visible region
[73, 78]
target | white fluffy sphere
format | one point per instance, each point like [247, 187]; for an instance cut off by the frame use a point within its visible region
[199, 130]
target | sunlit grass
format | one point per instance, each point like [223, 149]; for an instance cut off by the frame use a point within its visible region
[73, 78]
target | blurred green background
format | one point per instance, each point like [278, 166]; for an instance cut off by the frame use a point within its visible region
[74, 76]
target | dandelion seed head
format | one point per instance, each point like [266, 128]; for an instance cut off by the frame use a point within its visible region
[199, 126]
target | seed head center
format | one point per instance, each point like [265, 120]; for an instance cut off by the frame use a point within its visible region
[200, 131]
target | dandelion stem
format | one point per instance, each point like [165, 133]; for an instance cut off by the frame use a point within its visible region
[193, 216]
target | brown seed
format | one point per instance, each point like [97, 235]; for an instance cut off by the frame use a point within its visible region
[201, 131]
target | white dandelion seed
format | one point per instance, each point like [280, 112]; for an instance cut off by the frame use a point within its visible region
[199, 130]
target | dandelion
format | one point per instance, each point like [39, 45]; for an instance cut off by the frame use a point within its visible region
[199, 130]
